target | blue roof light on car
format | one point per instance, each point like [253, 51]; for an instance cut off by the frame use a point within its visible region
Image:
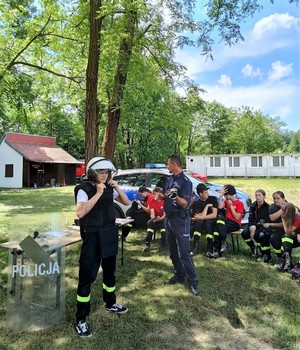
[155, 166]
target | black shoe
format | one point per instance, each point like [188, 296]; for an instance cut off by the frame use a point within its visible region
[223, 247]
[195, 290]
[147, 248]
[267, 259]
[175, 279]
[194, 252]
[82, 329]
[216, 255]
[117, 309]
[279, 264]
[209, 254]
[254, 250]
[288, 265]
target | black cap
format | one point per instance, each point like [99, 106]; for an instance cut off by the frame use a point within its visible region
[201, 188]
[229, 189]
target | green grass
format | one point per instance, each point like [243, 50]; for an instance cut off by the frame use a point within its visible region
[243, 304]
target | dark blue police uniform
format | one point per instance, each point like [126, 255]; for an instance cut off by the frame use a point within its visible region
[178, 229]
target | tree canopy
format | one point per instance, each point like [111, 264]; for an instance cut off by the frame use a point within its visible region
[101, 76]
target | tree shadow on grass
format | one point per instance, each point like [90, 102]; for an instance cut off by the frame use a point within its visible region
[243, 305]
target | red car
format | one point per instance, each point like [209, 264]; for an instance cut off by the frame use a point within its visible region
[198, 176]
[80, 170]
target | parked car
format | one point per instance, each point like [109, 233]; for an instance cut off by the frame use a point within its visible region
[80, 170]
[131, 179]
[199, 176]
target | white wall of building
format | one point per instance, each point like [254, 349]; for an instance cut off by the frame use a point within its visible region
[253, 165]
[9, 156]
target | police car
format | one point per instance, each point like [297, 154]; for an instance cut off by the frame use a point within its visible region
[131, 179]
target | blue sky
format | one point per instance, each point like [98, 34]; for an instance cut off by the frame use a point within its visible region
[263, 72]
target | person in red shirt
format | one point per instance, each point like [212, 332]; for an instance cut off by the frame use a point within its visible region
[233, 218]
[291, 239]
[157, 218]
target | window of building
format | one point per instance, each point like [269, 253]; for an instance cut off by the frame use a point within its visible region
[215, 162]
[9, 170]
[234, 162]
[256, 162]
[278, 161]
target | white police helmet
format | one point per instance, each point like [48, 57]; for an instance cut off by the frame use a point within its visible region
[99, 163]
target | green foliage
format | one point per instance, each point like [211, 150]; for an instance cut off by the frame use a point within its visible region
[294, 145]
[43, 59]
[222, 130]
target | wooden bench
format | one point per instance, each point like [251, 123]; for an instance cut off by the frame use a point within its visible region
[235, 234]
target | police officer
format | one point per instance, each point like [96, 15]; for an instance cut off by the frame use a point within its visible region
[178, 192]
[99, 233]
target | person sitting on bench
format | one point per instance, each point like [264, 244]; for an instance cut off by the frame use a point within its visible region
[232, 221]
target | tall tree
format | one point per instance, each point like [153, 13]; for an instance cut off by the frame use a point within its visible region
[116, 94]
[92, 105]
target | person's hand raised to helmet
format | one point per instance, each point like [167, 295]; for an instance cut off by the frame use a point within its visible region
[100, 188]
[113, 183]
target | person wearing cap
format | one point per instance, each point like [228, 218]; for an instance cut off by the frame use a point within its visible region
[95, 210]
[178, 192]
[232, 221]
[206, 211]
[157, 219]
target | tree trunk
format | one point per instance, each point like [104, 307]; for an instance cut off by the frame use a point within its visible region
[92, 107]
[115, 100]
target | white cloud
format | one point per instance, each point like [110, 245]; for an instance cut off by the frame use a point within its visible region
[275, 32]
[279, 99]
[273, 24]
[249, 71]
[271, 53]
[280, 70]
[225, 80]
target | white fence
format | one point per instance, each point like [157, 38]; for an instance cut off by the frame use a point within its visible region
[240, 165]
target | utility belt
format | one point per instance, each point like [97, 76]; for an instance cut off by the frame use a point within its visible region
[178, 214]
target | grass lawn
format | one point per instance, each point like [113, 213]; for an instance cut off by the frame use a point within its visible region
[243, 304]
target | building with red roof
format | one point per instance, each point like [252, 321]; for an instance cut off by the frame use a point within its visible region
[34, 161]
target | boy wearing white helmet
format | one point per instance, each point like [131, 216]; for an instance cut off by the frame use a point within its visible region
[95, 210]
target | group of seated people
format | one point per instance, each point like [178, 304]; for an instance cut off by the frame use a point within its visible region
[275, 225]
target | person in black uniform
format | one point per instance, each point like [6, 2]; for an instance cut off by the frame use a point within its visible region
[206, 208]
[138, 211]
[99, 233]
[273, 231]
[178, 192]
[258, 216]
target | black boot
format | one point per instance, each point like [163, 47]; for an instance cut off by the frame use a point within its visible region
[147, 247]
[223, 246]
[254, 250]
[279, 265]
[209, 248]
[163, 242]
[196, 246]
[217, 249]
[266, 258]
[288, 262]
